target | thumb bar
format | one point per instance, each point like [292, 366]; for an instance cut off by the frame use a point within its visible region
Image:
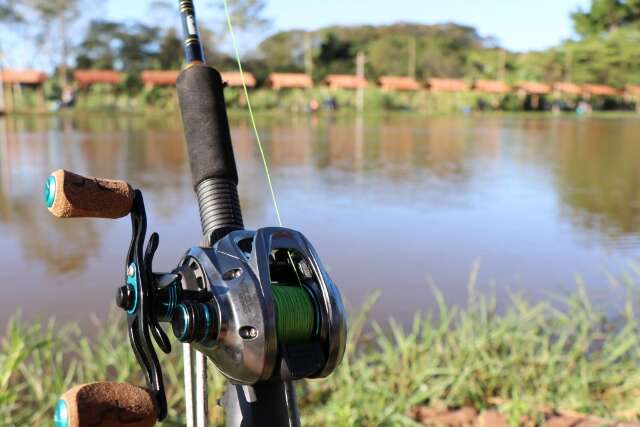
[69, 195]
[105, 404]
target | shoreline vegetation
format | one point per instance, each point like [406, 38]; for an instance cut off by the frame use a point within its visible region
[99, 98]
[528, 364]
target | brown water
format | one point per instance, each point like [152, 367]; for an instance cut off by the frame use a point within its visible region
[390, 202]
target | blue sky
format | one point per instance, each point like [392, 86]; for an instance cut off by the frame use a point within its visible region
[517, 24]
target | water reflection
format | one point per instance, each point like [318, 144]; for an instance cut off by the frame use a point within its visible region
[389, 200]
[598, 177]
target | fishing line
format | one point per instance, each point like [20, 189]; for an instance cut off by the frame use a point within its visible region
[253, 120]
[295, 309]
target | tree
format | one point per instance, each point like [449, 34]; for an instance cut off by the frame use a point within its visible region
[9, 11]
[283, 51]
[606, 15]
[169, 50]
[439, 50]
[247, 14]
[336, 56]
[99, 48]
[59, 17]
[130, 48]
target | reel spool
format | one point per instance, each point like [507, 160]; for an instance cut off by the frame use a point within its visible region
[274, 314]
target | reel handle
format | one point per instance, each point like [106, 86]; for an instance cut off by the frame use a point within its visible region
[106, 404]
[69, 195]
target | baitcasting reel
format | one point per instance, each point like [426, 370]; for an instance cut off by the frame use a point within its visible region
[259, 304]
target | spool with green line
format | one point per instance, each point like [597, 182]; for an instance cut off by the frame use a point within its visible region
[296, 313]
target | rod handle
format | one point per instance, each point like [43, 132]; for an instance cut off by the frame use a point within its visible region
[206, 125]
[106, 404]
[69, 195]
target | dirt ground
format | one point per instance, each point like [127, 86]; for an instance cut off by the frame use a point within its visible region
[469, 417]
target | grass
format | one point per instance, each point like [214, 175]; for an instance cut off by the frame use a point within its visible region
[564, 354]
[104, 98]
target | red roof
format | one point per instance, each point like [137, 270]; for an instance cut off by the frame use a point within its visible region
[345, 81]
[398, 83]
[29, 77]
[535, 88]
[491, 86]
[169, 77]
[289, 80]
[89, 77]
[160, 77]
[600, 90]
[447, 85]
[567, 87]
[234, 79]
[633, 90]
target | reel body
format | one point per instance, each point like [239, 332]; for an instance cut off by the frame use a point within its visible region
[259, 304]
[274, 311]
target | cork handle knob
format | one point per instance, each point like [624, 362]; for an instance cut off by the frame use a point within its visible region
[69, 195]
[105, 404]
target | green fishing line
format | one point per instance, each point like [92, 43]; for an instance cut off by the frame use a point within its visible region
[295, 313]
[251, 116]
[295, 310]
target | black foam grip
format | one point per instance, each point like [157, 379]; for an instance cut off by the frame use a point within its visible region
[206, 126]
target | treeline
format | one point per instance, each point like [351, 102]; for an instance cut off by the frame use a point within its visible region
[421, 50]
[606, 51]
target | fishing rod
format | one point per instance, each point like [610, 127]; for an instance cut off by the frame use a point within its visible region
[257, 304]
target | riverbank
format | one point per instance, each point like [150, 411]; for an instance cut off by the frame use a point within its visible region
[164, 99]
[532, 360]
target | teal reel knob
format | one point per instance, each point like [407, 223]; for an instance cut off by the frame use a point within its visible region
[50, 191]
[61, 414]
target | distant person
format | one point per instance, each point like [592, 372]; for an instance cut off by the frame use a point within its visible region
[584, 108]
[314, 106]
[330, 103]
[68, 98]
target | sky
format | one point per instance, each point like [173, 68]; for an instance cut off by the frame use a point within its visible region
[518, 25]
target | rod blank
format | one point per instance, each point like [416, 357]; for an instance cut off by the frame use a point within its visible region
[193, 50]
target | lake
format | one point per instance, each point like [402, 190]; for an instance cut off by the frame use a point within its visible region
[391, 202]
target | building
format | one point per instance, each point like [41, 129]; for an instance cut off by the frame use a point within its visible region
[234, 78]
[600, 90]
[87, 78]
[532, 92]
[12, 83]
[151, 78]
[345, 81]
[567, 88]
[534, 88]
[447, 85]
[392, 83]
[632, 94]
[289, 81]
[491, 86]
[633, 90]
